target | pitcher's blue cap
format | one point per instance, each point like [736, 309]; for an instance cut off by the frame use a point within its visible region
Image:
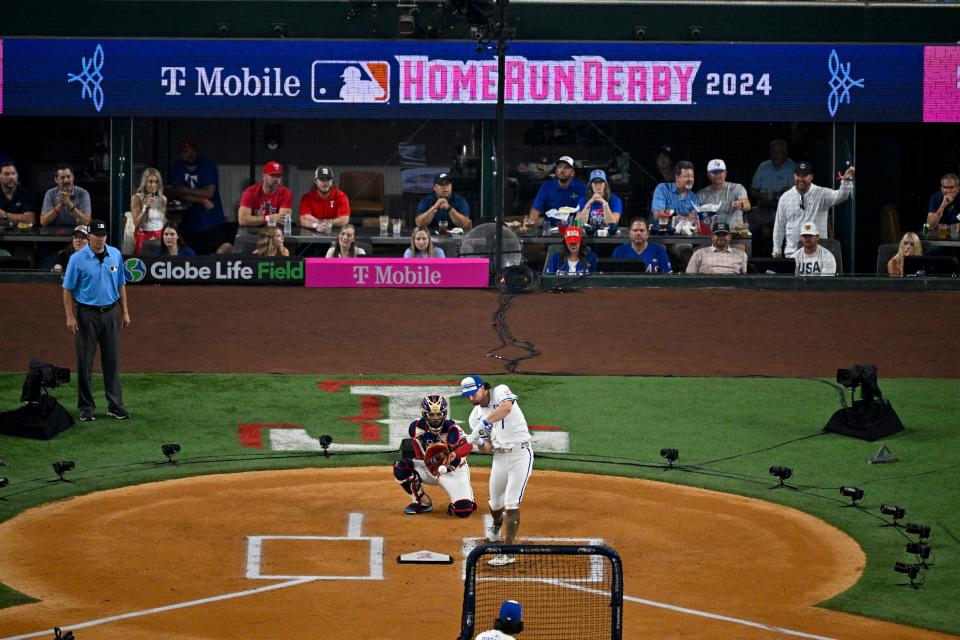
[470, 385]
[511, 611]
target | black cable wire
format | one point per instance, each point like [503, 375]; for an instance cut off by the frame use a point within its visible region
[750, 453]
[507, 339]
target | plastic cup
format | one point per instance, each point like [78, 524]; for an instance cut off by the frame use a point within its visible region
[443, 226]
[384, 223]
[397, 226]
[943, 231]
[955, 231]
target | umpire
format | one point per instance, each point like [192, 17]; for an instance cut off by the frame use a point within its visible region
[95, 280]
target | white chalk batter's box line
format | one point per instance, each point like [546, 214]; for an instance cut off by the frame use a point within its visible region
[255, 553]
[597, 562]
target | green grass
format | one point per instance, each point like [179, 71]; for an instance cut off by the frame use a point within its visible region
[617, 426]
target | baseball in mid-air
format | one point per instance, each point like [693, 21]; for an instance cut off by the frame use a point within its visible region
[442, 469]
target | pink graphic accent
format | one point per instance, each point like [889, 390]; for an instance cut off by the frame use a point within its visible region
[397, 272]
[941, 84]
[1, 76]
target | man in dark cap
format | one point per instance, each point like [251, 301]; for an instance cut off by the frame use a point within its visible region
[508, 624]
[806, 202]
[94, 280]
[443, 206]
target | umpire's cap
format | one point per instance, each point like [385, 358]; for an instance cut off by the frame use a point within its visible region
[511, 611]
[470, 385]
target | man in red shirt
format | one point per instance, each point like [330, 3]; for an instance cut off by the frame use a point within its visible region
[268, 201]
[324, 206]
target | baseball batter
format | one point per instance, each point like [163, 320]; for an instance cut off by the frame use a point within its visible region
[438, 458]
[498, 426]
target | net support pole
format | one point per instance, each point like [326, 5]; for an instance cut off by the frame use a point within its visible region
[500, 142]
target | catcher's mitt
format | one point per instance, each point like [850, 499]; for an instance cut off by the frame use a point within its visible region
[437, 454]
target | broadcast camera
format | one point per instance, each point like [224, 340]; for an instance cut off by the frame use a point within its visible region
[42, 375]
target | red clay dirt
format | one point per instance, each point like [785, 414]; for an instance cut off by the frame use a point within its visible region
[155, 545]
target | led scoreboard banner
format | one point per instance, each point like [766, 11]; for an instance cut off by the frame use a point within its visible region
[434, 79]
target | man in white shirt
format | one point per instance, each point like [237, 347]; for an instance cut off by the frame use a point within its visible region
[805, 202]
[812, 259]
[498, 426]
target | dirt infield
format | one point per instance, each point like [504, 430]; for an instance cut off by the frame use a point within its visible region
[713, 332]
[182, 541]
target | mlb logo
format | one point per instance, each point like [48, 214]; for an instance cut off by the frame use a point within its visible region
[358, 81]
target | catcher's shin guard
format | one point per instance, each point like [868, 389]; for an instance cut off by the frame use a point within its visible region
[461, 508]
[409, 480]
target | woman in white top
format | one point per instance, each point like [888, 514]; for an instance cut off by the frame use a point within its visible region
[149, 208]
[421, 246]
[346, 246]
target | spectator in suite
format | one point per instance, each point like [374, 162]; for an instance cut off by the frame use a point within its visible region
[196, 182]
[806, 202]
[652, 254]
[346, 246]
[149, 208]
[270, 243]
[944, 208]
[79, 241]
[719, 257]
[564, 190]
[66, 205]
[443, 205]
[324, 208]
[268, 201]
[675, 198]
[575, 258]
[812, 259]
[730, 196]
[421, 246]
[600, 208]
[910, 245]
[16, 203]
[771, 179]
[172, 244]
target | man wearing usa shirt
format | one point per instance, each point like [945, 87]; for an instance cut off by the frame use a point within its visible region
[562, 191]
[812, 259]
[324, 207]
[653, 255]
[266, 202]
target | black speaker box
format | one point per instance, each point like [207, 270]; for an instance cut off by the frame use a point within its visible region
[41, 421]
[865, 420]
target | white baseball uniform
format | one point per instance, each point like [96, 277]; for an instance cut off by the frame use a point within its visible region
[493, 634]
[455, 482]
[512, 451]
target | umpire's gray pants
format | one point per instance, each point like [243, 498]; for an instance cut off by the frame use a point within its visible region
[95, 328]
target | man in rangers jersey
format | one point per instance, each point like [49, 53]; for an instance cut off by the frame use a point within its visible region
[507, 625]
[454, 476]
[812, 259]
[498, 426]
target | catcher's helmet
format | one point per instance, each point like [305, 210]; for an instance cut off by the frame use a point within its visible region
[434, 410]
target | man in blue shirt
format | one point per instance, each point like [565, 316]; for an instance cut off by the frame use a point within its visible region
[675, 198]
[195, 181]
[562, 191]
[653, 255]
[443, 206]
[94, 280]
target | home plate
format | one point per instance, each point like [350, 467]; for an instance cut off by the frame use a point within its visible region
[425, 557]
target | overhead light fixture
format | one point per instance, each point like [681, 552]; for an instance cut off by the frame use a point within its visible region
[60, 467]
[782, 473]
[854, 493]
[894, 512]
[407, 23]
[670, 455]
[639, 32]
[325, 442]
[170, 449]
[922, 531]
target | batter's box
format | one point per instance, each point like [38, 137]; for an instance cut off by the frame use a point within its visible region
[594, 574]
[314, 557]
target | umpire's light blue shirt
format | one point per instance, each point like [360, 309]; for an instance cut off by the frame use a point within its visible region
[90, 281]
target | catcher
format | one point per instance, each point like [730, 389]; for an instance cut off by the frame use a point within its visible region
[435, 454]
